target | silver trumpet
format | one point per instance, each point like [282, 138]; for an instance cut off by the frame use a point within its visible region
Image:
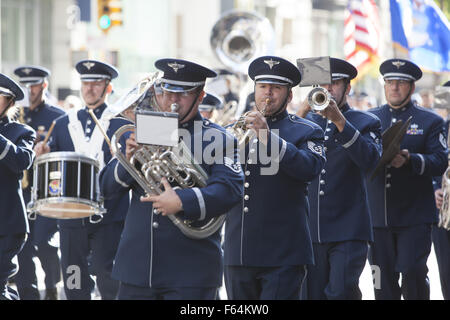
[151, 163]
[241, 132]
[319, 98]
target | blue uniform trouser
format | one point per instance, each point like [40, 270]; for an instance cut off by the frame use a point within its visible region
[264, 283]
[38, 244]
[335, 274]
[405, 251]
[10, 246]
[87, 251]
[441, 242]
[132, 292]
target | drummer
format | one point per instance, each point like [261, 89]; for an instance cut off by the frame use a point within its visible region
[88, 245]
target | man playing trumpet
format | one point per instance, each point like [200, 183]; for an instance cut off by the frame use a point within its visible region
[267, 240]
[340, 219]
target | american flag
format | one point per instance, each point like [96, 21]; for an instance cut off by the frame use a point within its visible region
[362, 33]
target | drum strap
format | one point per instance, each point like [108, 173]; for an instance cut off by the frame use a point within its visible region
[93, 147]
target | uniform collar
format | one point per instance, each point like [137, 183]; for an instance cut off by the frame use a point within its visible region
[4, 120]
[345, 107]
[38, 107]
[279, 116]
[97, 111]
[404, 108]
[190, 123]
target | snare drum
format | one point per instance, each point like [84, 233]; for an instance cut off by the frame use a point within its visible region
[65, 186]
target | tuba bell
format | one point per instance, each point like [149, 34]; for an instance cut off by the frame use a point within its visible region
[151, 163]
[237, 38]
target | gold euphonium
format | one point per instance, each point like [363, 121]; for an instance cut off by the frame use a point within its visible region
[151, 163]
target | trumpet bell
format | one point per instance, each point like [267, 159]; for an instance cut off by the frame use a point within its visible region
[319, 98]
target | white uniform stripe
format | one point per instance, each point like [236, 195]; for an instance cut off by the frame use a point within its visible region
[422, 167]
[352, 141]
[116, 177]
[5, 151]
[201, 203]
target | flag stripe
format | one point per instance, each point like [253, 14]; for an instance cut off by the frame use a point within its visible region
[361, 32]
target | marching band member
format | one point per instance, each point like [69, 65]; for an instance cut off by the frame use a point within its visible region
[402, 199]
[267, 239]
[39, 115]
[155, 260]
[340, 220]
[90, 244]
[209, 103]
[16, 155]
[440, 236]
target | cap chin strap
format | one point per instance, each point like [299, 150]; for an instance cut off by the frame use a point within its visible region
[101, 96]
[40, 94]
[343, 95]
[404, 100]
[191, 107]
[282, 106]
[7, 107]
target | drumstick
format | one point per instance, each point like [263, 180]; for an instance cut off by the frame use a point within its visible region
[49, 132]
[91, 112]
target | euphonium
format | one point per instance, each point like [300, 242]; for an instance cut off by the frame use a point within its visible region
[151, 163]
[224, 116]
[319, 98]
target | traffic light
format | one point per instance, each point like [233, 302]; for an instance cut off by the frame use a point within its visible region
[109, 14]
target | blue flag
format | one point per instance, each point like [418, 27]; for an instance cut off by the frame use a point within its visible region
[420, 27]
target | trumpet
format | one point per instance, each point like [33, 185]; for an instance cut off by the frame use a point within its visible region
[319, 98]
[240, 130]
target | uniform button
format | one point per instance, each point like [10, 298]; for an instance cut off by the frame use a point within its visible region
[321, 193]
[88, 130]
[329, 121]
[326, 138]
[328, 129]
[246, 209]
[394, 120]
[247, 173]
[206, 123]
[388, 185]
[323, 171]
[246, 197]
[388, 175]
[155, 225]
[246, 185]
[322, 181]
[249, 161]
[88, 122]
[325, 149]
[255, 140]
[252, 150]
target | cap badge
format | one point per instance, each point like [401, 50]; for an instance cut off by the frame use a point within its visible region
[27, 71]
[398, 64]
[89, 65]
[271, 63]
[175, 66]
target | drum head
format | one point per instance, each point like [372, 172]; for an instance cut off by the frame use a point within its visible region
[63, 209]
